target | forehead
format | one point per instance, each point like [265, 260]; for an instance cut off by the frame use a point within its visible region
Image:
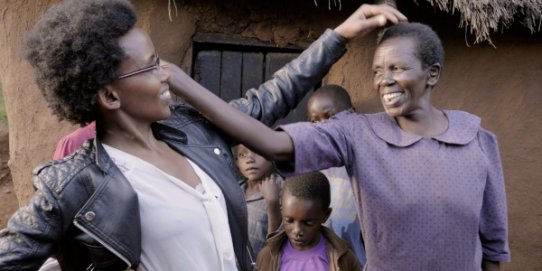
[321, 103]
[242, 148]
[397, 49]
[300, 208]
[137, 45]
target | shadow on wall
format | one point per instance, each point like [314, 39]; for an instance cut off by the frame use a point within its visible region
[8, 200]
[3, 117]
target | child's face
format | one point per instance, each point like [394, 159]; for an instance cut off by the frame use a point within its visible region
[302, 219]
[321, 108]
[251, 165]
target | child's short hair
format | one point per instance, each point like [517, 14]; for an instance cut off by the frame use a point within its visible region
[338, 95]
[311, 186]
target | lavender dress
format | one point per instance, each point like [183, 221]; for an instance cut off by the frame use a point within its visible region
[425, 203]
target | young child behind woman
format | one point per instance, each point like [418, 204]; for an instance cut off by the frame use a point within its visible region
[305, 244]
[327, 101]
[261, 187]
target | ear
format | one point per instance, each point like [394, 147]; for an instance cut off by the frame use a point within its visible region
[433, 74]
[327, 214]
[108, 98]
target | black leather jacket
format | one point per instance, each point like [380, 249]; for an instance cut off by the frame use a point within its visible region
[86, 213]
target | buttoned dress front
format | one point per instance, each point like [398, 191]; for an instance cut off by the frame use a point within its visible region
[425, 203]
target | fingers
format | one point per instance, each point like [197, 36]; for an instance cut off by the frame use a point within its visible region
[375, 22]
[270, 188]
[391, 14]
[270, 183]
[264, 183]
[367, 18]
[270, 180]
[165, 64]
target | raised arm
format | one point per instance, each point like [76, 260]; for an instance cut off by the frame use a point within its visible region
[270, 189]
[273, 99]
[238, 125]
[273, 145]
[276, 97]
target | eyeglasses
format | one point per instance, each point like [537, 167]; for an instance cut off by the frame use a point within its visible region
[154, 66]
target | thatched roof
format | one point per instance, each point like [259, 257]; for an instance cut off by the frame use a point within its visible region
[479, 17]
[482, 17]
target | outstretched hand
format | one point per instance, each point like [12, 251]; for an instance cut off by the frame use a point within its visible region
[368, 18]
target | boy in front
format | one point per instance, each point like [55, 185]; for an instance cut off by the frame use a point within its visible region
[305, 244]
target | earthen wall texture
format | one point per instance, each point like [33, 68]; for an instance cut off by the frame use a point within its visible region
[502, 85]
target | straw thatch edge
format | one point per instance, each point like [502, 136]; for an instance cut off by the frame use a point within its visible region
[479, 17]
[483, 17]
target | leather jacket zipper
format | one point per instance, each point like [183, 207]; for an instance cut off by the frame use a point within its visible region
[79, 226]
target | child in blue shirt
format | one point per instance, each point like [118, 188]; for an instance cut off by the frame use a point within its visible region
[261, 187]
[327, 101]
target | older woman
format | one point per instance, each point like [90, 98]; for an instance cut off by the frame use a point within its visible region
[156, 189]
[430, 182]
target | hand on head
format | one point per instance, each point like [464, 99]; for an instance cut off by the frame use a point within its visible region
[368, 18]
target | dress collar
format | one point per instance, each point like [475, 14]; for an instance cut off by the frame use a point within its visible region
[462, 129]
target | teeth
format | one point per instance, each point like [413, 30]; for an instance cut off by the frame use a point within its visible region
[388, 97]
[165, 94]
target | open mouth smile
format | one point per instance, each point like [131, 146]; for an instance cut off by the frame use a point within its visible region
[165, 94]
[390, 97]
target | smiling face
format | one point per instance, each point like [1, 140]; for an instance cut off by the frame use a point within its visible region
[253, 166]
[401, 80]
[302, 220]
[144, 96]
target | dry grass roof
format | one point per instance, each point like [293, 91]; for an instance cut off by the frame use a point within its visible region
[482, 17]
[479, 17]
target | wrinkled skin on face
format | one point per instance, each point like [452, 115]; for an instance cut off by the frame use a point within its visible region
[403, 84]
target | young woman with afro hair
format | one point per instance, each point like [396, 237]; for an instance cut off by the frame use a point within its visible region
[156, 189]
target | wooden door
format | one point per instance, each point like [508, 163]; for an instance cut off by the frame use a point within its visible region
[230, 73]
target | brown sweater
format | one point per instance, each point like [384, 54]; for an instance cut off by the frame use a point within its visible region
[340, 257]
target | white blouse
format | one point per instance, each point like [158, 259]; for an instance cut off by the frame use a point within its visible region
[182, 228]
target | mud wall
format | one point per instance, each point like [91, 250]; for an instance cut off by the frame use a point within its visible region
[501, 85]
[33, 132]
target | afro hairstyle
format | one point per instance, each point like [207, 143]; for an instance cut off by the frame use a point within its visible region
[74, 51]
